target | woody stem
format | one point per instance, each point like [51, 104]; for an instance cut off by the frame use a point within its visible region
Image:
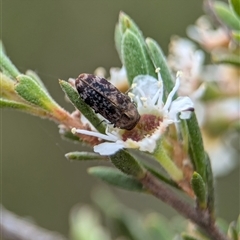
[202, 219]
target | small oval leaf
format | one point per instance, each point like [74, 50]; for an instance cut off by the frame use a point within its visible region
[6, 65]
[30, 91]
[127, 164]
[116, 178]
[226, 15]
[83, 156]
[199, 189]
[118, 40]
[196, 147]
[134, 58]
[235, 5]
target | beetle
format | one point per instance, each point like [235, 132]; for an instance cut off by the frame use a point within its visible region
[105, 99]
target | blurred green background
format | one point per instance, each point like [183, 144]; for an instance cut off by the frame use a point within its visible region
[61, 39]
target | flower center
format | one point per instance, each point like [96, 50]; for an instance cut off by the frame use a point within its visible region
[146, 126]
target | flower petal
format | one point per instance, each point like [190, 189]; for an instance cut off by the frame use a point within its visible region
[107, 148]
[146, 86]
[118, 77]
[182, 105]
[108, 137]
[185, 115]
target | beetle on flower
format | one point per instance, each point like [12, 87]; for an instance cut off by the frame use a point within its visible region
[156, 116]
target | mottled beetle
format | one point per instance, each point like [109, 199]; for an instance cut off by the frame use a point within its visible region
[106, 99]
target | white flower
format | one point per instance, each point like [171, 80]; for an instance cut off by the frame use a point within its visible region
[209, 37]
[118, 77]
[147, 92]
[184, 55]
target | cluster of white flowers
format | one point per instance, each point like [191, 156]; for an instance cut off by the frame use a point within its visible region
[184, 55]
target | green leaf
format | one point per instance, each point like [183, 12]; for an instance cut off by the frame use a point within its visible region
[235, 6]
[118, 40]
[116, 178]
[37, 79]
[4, 103]
[30, 91]
[134, 58]
[127, 164]
[196, 146]
[136, 43]
[83, 156]
[184, 135]
[12, 104]
[126, 23]
[210, 186]
[159, 60]
[199, 189]
[225, 14]
[6, 65]
[81, 105]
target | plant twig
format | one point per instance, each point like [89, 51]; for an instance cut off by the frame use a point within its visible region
[202, 219]
[13, 227]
